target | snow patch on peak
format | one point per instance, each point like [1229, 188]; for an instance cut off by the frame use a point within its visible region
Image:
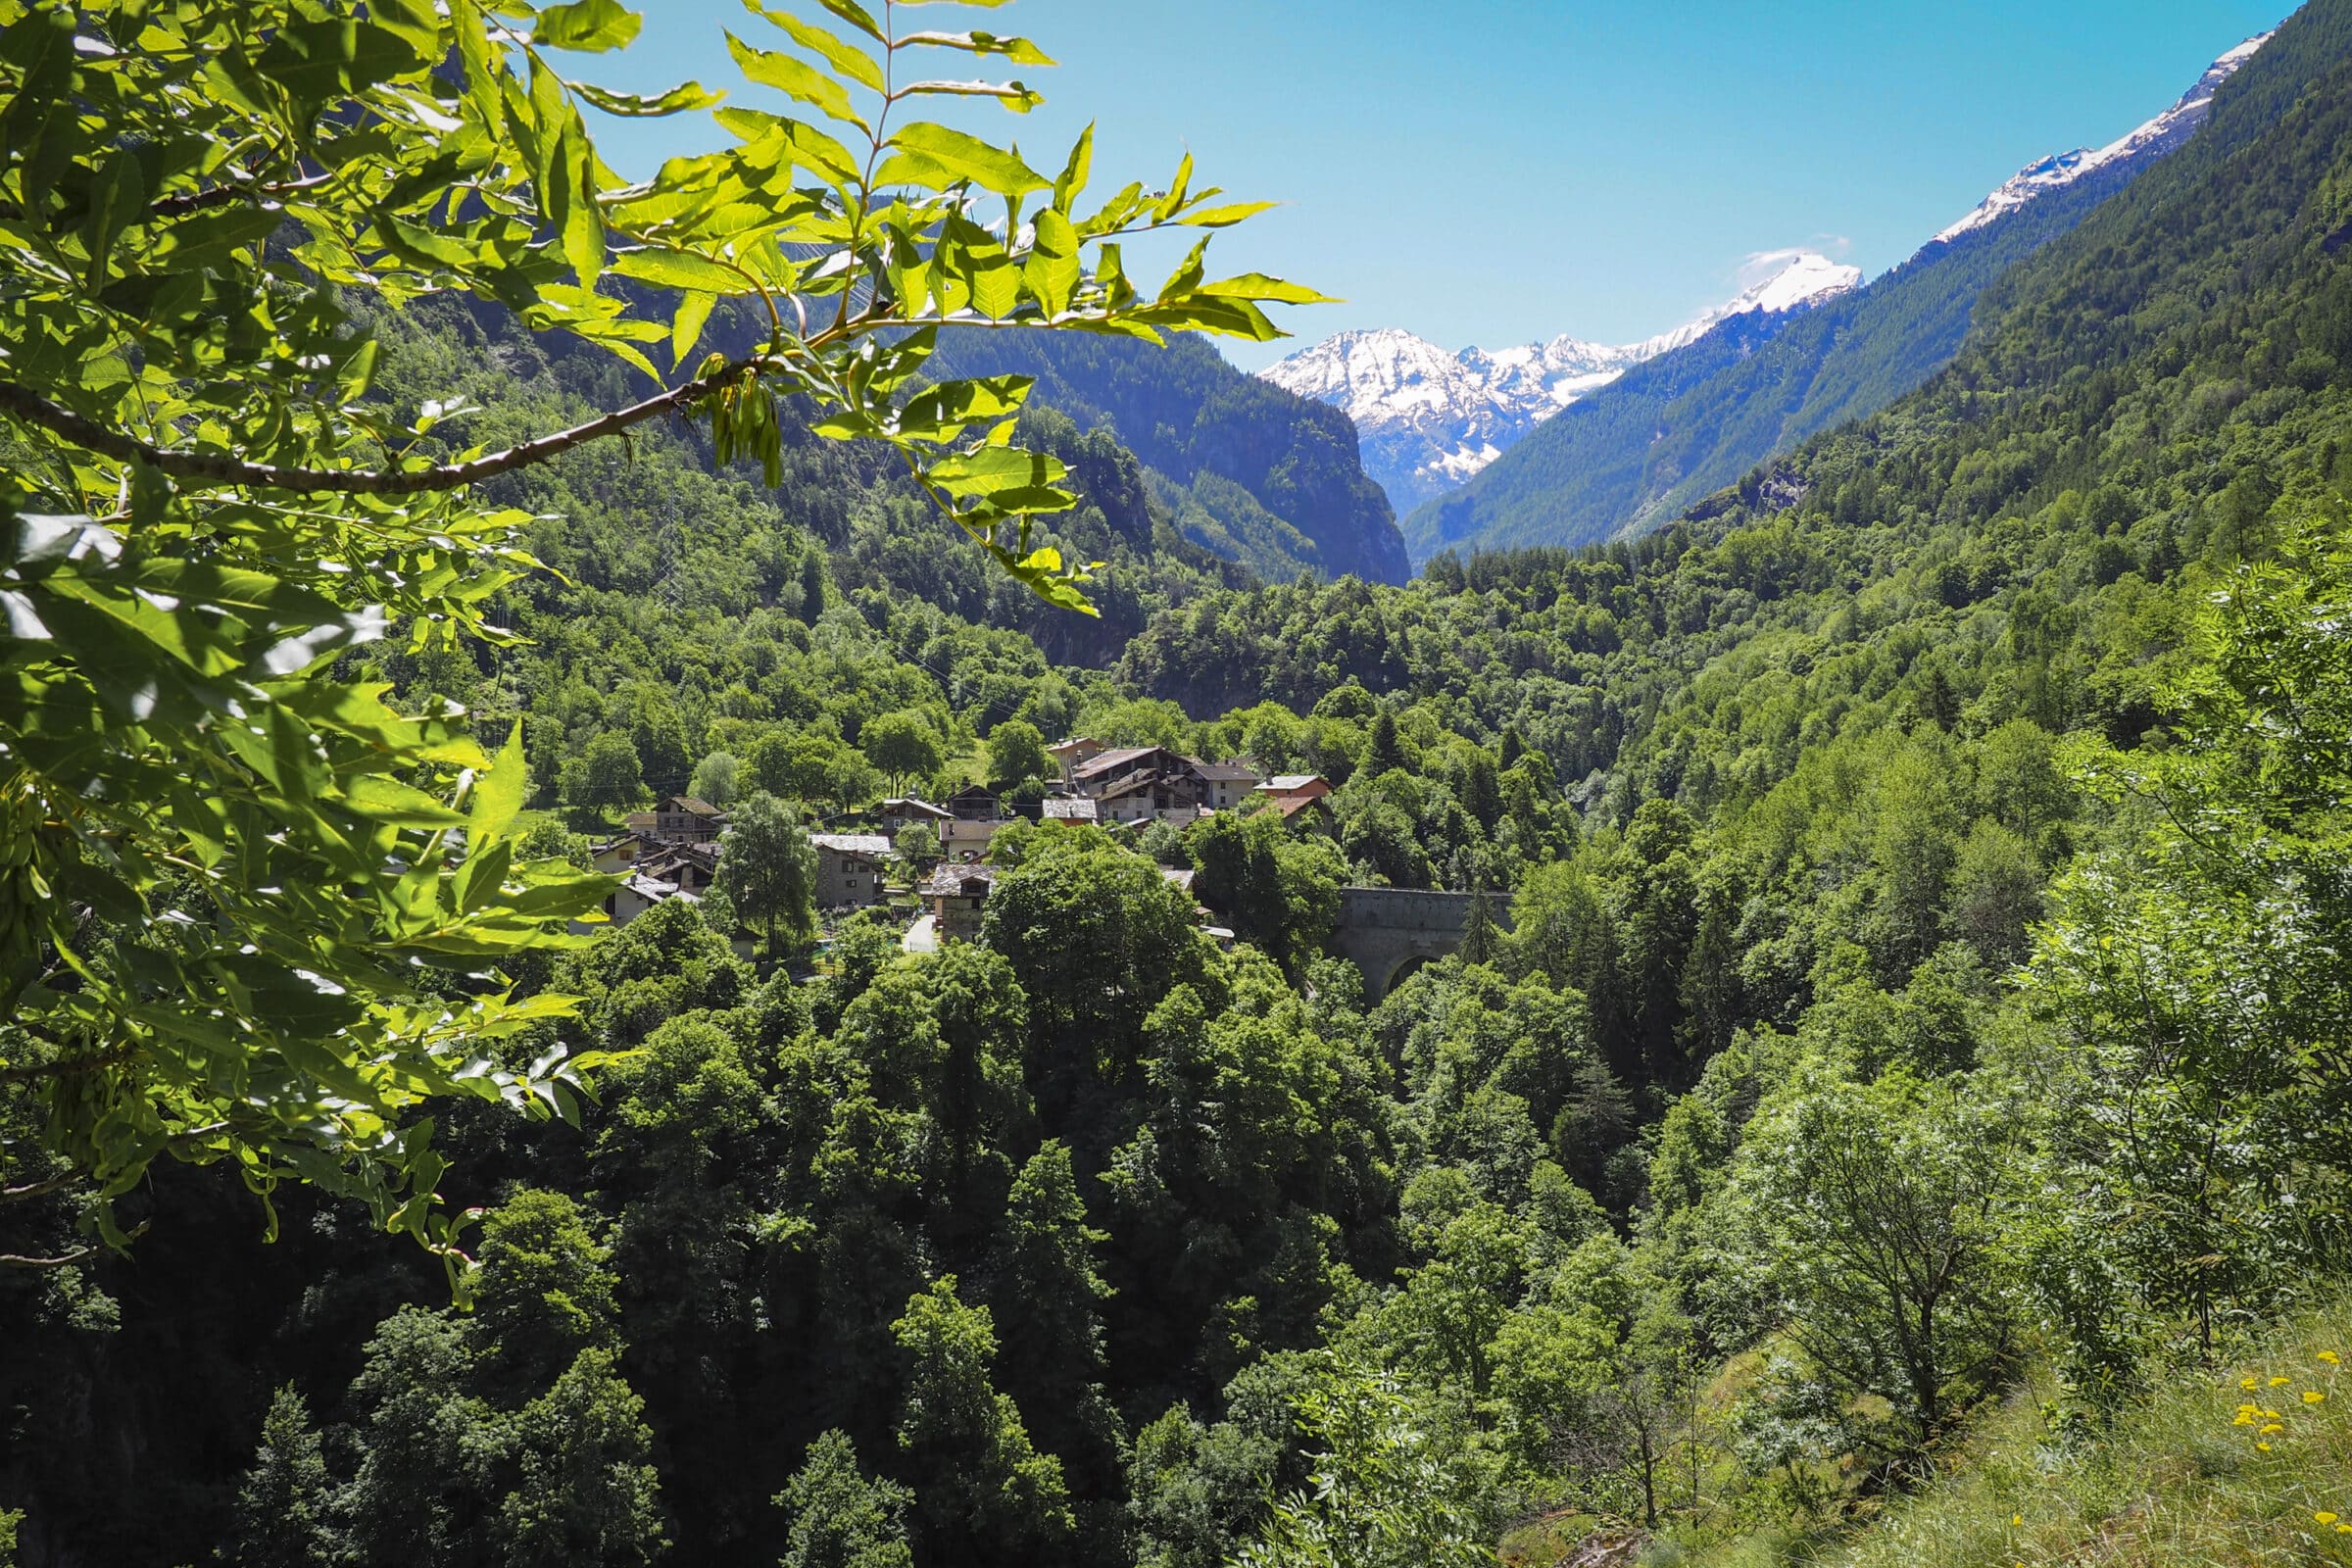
[2156, 137]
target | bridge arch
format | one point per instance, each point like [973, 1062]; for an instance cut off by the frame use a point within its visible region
[1389, 932]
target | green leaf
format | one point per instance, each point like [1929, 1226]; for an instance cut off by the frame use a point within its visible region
[586, 26]
[499, 794]
[1259, 286]
[581, 227]
[686, 328]
[116, 205]
[944, 412]
[789, 74]
[942, 158]
[844, 57]
[1072, 182]
[1225, 216]
[1020, 51]
[855, 15]
[1052, 270]
[678, 269]
[413, 20]
[679, 99]
[316, 60]
[1012, 95]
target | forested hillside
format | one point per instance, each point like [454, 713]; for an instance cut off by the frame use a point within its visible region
[1917, 1049]
[1255, 473]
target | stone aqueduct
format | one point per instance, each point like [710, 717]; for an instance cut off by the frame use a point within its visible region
[1385, 932]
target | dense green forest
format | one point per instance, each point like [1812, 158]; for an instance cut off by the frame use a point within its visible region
[1917, 1044]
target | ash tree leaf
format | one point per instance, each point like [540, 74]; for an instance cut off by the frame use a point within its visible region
[856, 15]
[942, 158]
[1020, 51]
[684, 97]
[1259, 286]
[316, 61]
[844, 57]
[587, 26]
[677, 269]
[790, 74]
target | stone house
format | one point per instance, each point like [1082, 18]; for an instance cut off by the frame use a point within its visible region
[849, 868]
[954, 895]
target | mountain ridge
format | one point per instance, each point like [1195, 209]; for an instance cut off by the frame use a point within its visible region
[1689, 423]
[1429, 419]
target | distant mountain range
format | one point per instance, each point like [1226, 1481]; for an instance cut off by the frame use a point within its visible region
[1570, 442]
[1429, 419]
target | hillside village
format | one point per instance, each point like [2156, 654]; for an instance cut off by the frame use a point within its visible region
[927, 856]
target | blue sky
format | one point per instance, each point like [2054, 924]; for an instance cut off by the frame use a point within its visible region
[1495, 172]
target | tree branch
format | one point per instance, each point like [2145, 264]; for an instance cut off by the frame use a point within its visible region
[33, 1190]
[204, 200]
[209, 469]
[67, 1259]
[66, 1068]
[204, 470]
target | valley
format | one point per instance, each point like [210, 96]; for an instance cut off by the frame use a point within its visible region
[746, 866]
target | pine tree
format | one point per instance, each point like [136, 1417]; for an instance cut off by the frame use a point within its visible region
[988, 1494]
[281, 1515]
[1386, 753]
[1044, 1288]
[1480, 939]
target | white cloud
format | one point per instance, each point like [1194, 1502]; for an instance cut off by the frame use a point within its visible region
[1758, 266]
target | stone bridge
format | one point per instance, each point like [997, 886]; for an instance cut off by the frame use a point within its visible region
[1388, 932]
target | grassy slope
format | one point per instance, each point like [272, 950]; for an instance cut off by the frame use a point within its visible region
[2176, 1484]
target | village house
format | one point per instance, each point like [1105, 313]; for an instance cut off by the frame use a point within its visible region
[1223, 785]
[1147, 783]
[618, 855]
[1312, 786]
[1299, 797]
[955, 895]
[636, 894]
[897, 816]
[849, 868]
[1070, 753]
[975, 803]
[1105, 772]
[683, 816]
[692, 866]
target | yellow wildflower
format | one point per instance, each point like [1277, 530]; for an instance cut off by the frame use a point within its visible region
[2312, 1396]
[2264, 1446]
[2273, 1427]
[2325, 1517]
[2281, 1383]
[2330, 1358]
[2249, 1383]
[2016, 1519]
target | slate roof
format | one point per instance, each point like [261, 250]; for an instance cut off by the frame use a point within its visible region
[950, 881]
[1112, 762]
[872, 845]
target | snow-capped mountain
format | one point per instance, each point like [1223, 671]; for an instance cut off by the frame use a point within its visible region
[2151, 140]
[1429, 419]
